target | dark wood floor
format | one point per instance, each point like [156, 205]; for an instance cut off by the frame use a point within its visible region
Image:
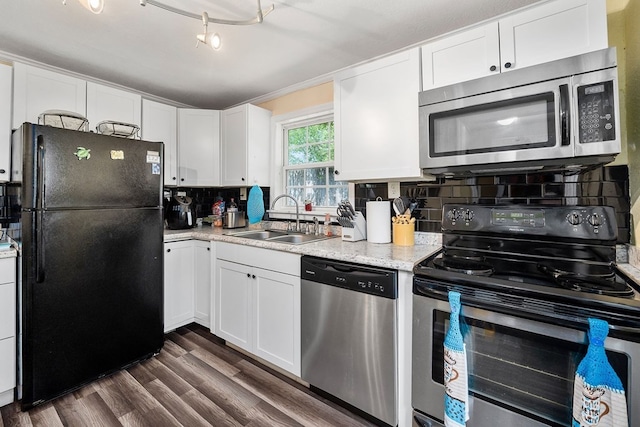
[194, 381]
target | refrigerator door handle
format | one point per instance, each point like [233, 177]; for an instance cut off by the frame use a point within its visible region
[38, 234]
[39, 172]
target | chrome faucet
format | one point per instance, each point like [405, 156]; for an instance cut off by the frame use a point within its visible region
[297, 208]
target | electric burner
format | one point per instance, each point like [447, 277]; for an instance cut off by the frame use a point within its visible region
[463, 265]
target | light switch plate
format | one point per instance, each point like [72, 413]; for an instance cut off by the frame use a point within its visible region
[393, 189]
[243, 193]
[181, 193]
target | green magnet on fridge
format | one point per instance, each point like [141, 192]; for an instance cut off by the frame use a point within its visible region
[83, 153]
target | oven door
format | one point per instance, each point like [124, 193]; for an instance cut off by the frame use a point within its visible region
[521, 372]
[519, 124]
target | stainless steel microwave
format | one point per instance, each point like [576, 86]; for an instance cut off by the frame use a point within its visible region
[563, 115]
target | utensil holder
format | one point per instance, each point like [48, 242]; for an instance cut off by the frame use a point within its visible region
[403, 234]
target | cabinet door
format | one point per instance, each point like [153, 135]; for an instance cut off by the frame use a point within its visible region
[160, 123]
[244, 146]
[552, 31]
[107, 103]
[8, 309]
[233, 146]
[198, 147]
[178, 284]
[277, 319]
[464, 56]
[7, 364]
[36, 90]
[376, 119]
[5, 122]
[202, 282]
[233, 303]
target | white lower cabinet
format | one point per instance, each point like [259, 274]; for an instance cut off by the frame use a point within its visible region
[7, 330]
[187, 283]
[257, 302]
[178, 284]
[202, 282]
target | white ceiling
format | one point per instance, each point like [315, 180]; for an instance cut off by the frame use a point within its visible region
[151, 50]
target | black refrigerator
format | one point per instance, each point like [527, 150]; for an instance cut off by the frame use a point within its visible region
[92, 260]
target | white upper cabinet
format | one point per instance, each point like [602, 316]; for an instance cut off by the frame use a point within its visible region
[376, 119]
[244, 150]
[464, 56]
[198, 147]
[552, 31]
[36, 90]
[116, 105]
[160, 123]
[5, 122]
[539, 34]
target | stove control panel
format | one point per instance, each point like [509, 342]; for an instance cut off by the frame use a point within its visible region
[578, 222]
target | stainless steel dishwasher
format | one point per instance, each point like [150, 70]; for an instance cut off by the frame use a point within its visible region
[349, 334]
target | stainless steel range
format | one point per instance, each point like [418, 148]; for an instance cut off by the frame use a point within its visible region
[529, 277]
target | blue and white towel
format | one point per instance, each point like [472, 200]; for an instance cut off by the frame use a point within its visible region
[598, 396]
[255, 205]
[456, 398]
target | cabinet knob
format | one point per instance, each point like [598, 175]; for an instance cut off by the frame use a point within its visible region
[507, 65]
[3, 171]
[168, 250]
[248, 275]
[174, 178]
[181, 179]
[493, 68]
[243, 179]
[336, 172]
[253, 276]
[208, 249]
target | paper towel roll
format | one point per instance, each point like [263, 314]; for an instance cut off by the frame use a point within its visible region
[379, 221]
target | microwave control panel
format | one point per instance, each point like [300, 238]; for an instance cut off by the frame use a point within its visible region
[596, 112]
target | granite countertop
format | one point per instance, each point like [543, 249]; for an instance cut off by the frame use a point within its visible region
[376, 254]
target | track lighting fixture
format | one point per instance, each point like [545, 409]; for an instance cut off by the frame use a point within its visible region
[94, 6]
[214, 40]
[208, 38]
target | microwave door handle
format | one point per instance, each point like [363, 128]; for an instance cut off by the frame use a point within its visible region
[565, 115]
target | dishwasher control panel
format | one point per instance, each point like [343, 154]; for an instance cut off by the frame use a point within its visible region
[356, 277]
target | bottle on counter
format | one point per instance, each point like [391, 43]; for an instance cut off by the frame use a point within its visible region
[233, 206]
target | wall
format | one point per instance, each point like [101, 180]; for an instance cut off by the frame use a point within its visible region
[622, 20]
[632, 105]
[299, 100]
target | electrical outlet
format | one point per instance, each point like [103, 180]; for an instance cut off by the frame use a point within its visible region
[181, 193]
[393, 189]
[243, 193]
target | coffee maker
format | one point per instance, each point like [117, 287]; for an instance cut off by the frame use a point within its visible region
[180, 213]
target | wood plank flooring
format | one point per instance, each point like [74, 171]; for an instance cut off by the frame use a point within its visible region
[195, 381]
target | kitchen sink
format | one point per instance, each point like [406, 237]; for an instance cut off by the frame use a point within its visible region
[289, 237]
[260, 234]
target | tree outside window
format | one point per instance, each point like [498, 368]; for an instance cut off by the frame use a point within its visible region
[309, 158]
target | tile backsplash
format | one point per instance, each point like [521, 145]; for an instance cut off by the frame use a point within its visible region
[205, 197]
[600, 186]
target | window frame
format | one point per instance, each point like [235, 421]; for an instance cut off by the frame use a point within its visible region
[279, 124]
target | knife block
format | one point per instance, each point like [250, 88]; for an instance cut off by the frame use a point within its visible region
[358, 231]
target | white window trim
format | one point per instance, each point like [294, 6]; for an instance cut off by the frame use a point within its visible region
[278, 123]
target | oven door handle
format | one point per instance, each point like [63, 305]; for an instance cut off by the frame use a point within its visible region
[565, 116]
[539, 314]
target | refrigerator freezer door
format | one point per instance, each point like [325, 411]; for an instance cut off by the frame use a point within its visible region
[92, 295]
[71, 169]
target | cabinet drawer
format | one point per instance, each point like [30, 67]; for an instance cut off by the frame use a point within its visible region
[268, 259]
[7, 270]
[7, 310]
[7, 364]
